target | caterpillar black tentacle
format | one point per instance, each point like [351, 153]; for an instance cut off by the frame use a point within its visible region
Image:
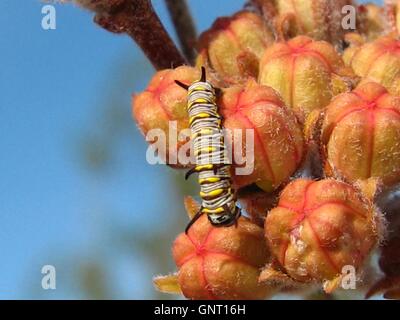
[182, 85]
[212, 163]
[203, 75]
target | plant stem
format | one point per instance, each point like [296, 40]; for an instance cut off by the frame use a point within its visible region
[184, 27]
[138, 19]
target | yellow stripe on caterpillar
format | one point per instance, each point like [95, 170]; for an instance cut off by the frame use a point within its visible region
[197, 88]
[198, 101]
[215, 211]
[201, 115]
[213, 193]
[204, 167]
[205, 150]
[209, 180]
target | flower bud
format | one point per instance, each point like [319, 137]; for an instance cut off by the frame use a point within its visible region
[318, 228]
[221, 263]
[277, 148]
[361, 135]
[306, 73]
[233, 46]
[378, 61]
[319, 19]
[162, 103]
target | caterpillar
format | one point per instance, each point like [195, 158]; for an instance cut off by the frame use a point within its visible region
[212, 164]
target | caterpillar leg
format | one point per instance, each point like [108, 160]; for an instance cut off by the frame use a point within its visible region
[182, 85]
[194, 219]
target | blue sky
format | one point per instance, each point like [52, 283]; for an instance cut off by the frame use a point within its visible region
[53, 85]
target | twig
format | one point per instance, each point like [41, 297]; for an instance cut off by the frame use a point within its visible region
[138, 19]
[184, 27]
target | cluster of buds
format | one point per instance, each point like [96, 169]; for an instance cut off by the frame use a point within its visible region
[278, 145]
[283, 73]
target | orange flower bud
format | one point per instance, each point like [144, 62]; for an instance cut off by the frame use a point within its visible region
[234, 45]
[278, 139]
[306, 73]
[221, 263]
[378, 61]
[318, 228]
[163, 101]
[361, 134]
[319, 19]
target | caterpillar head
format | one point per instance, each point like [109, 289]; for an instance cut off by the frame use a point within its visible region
[201, 85]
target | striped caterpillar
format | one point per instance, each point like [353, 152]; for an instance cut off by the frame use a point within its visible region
[212, 164]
